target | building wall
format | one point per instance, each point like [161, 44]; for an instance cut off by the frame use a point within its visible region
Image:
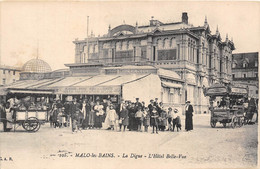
[8, 75]
[245, 71]
[186, 50]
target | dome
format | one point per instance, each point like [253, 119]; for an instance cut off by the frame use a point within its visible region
[37, 66]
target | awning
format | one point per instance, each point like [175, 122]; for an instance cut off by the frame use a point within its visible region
[30, 91]
[92, 90]
[171, 85]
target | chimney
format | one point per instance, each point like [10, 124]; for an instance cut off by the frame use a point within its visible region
[185, 17]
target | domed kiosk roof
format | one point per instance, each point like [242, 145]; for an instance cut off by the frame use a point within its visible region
[36, 66]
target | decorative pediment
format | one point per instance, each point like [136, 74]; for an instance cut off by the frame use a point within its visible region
[157, 30]
[122, 28]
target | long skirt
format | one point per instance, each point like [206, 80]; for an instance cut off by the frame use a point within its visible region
[85, 121]
[188, 122]
[91, 119]
[98, 121]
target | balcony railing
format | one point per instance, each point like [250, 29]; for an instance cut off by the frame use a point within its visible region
[118, 60]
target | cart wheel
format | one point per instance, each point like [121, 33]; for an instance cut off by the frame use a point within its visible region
[234, 122]
[213, 124]
[224, 125]
[31, 124]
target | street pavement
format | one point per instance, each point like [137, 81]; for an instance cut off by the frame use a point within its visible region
[203, 147]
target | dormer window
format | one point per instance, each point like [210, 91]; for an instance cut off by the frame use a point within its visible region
[244, 64]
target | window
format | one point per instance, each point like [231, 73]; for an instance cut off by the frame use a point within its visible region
[244, 75]
[244, 64]
[14, 72]
[9, 71]
[256, 64]
[4, 81]
[3, 71]
[256, 91]
[233, 75]
[256, 74]
[178, 46]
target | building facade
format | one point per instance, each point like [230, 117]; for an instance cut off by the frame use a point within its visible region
[199, 57]
[245, 71]
[9, 74]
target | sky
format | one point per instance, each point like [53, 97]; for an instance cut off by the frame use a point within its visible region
[51, 27]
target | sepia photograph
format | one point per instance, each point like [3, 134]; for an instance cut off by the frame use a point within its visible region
[129, 84]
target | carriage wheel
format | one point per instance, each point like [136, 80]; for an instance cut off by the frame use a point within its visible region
[31, 124]
[234, 122]
[213, 124]
[224, 125]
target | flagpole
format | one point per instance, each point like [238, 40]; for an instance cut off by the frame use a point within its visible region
[87, 40]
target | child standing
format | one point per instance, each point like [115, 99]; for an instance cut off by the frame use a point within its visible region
[154, 119]
[139, 118]
[146, 119]
[112, 117]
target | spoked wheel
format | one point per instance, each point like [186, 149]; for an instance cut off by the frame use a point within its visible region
[31, 124]
[213, 124]
[234, 122]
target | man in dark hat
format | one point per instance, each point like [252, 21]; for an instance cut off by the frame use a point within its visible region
[150, 106]
[155, 102]
[188, 116]
[74, 109]
[137, 103]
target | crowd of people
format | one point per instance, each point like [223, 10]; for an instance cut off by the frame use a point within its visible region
[134, 116]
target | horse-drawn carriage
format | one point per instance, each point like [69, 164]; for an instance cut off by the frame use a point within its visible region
[226, 104]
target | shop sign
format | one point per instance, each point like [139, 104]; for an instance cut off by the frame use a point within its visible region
[217, 90]
[238, 90]
[90, 90]
[137, 71]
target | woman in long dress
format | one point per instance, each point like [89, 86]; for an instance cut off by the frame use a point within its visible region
[124, 120]
[188, 116]
[91, 119]
[98, 108]
[85, 112]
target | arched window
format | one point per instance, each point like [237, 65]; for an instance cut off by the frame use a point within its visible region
[244, 64]
[163, 44]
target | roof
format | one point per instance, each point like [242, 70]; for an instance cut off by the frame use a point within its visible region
[36, 66]
[171, 85]
[10, 67]
[131, 67]
[169, 74]
[110, 84]
[250, 58]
